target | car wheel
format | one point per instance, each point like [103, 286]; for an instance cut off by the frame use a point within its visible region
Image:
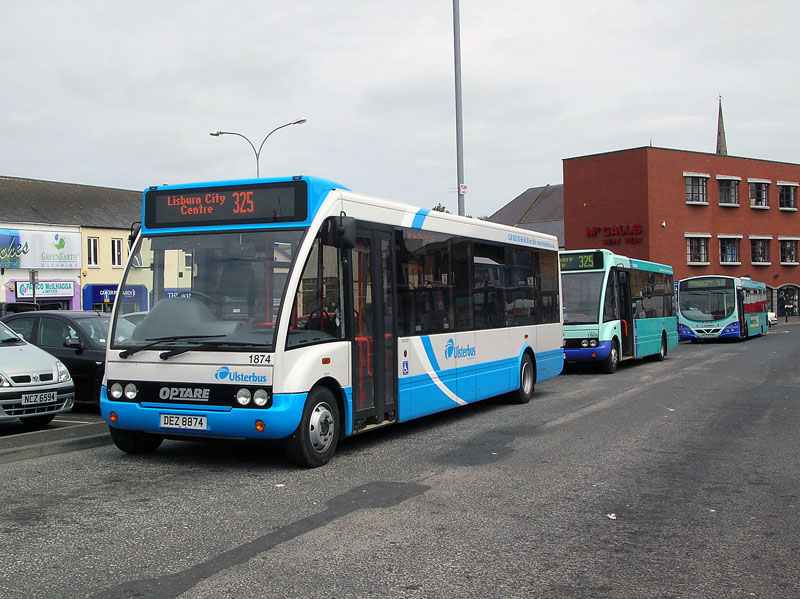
[135, 442]
[527, 381]
[37, 421]
[314, 442]
[612, 361]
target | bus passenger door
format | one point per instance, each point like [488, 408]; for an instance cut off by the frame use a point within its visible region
[625, 312]
[373, 329]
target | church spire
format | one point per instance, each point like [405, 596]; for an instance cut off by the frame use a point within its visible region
[722, 145]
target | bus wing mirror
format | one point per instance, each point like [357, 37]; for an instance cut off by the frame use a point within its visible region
[135, 227]
[346, 232]
[340, 231]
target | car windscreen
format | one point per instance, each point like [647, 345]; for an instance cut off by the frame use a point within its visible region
[226, 286]
[7, 335]
[581, 292]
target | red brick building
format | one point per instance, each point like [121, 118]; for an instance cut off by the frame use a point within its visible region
[702, 213]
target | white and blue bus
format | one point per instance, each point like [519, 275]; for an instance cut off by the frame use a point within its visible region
[616, 308]
[295, 309]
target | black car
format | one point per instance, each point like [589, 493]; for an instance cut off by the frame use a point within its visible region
[76, 338]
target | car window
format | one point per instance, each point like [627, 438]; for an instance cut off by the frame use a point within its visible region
[23, 326]
[97, 329]
[53, 332]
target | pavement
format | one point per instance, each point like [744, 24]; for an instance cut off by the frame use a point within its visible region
[673, 479]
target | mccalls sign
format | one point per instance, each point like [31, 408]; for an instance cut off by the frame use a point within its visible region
[611, 235]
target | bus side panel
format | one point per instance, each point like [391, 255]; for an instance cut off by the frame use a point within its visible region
[647, 336]
[548, 351]
[440, 372]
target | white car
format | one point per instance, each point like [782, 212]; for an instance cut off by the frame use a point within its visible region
[772, 318]
[34, 386]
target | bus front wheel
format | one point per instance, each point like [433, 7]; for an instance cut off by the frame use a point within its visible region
[315, 440]
[135, 442]
[527, 380]
[612, 361]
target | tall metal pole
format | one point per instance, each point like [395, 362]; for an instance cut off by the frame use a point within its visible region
[459, 123]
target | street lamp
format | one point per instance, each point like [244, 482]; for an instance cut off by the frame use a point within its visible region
[257, 153]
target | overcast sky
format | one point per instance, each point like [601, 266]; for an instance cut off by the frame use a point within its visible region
[124, 94]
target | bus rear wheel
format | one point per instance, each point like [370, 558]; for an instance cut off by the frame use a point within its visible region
[527, 380]
[135, 442]
[612, 361]
[314, 442]
[662, 351]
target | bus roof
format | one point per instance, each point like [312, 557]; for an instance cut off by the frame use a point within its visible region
[745, 282]
[612, 259]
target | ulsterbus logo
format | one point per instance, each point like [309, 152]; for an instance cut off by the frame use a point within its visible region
[225, 374]
[452, 350]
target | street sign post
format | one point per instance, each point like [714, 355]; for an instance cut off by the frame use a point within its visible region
[33, 277]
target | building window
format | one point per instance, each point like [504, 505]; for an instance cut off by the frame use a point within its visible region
[116, 252]
[728, 192]
[759, 195]
[788, 197]
[759, 251]
[91, 251]
[729, 251]
[696, 190]
[789, 251]
[697, 250]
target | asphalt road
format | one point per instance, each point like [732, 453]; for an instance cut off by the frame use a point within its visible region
[674, 479]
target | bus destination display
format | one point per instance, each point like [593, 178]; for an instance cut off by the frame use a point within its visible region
[269, 202]
[582, 261]
[708, 283]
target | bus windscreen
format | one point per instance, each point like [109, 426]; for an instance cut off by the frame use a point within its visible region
[230, 205]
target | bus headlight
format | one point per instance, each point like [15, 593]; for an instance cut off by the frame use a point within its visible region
[584, 343]
[260, 398]
[131, 391]
[593, 343]
[115, 391]
[243, 397]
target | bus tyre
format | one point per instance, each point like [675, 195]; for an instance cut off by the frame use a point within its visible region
[315, 440]
[135, 442]
[612, 361]
[662, 351]
[527, 380]
[37, 421]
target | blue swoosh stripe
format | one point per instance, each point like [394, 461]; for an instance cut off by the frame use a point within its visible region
[426, 343]
[419, 218]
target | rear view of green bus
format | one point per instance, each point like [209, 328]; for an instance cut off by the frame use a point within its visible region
[616, 308]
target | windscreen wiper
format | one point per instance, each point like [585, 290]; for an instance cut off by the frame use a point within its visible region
[126, 353]
[207, 344]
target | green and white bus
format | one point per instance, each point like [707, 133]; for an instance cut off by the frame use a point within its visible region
[616, 308]
[721, 307]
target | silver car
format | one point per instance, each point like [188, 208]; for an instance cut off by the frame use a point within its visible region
[34, 386]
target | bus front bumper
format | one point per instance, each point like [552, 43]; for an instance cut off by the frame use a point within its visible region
[280, 420]
[588, 354]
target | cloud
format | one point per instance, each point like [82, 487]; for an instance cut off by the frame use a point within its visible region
[125, 95]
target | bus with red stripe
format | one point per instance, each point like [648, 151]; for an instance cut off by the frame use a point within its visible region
[721, 307]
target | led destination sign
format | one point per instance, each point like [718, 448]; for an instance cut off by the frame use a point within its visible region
[582, 261]
[239, 204]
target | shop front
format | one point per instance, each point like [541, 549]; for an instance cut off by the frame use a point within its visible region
[100, 298]
[50, 254]
[50, 295]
